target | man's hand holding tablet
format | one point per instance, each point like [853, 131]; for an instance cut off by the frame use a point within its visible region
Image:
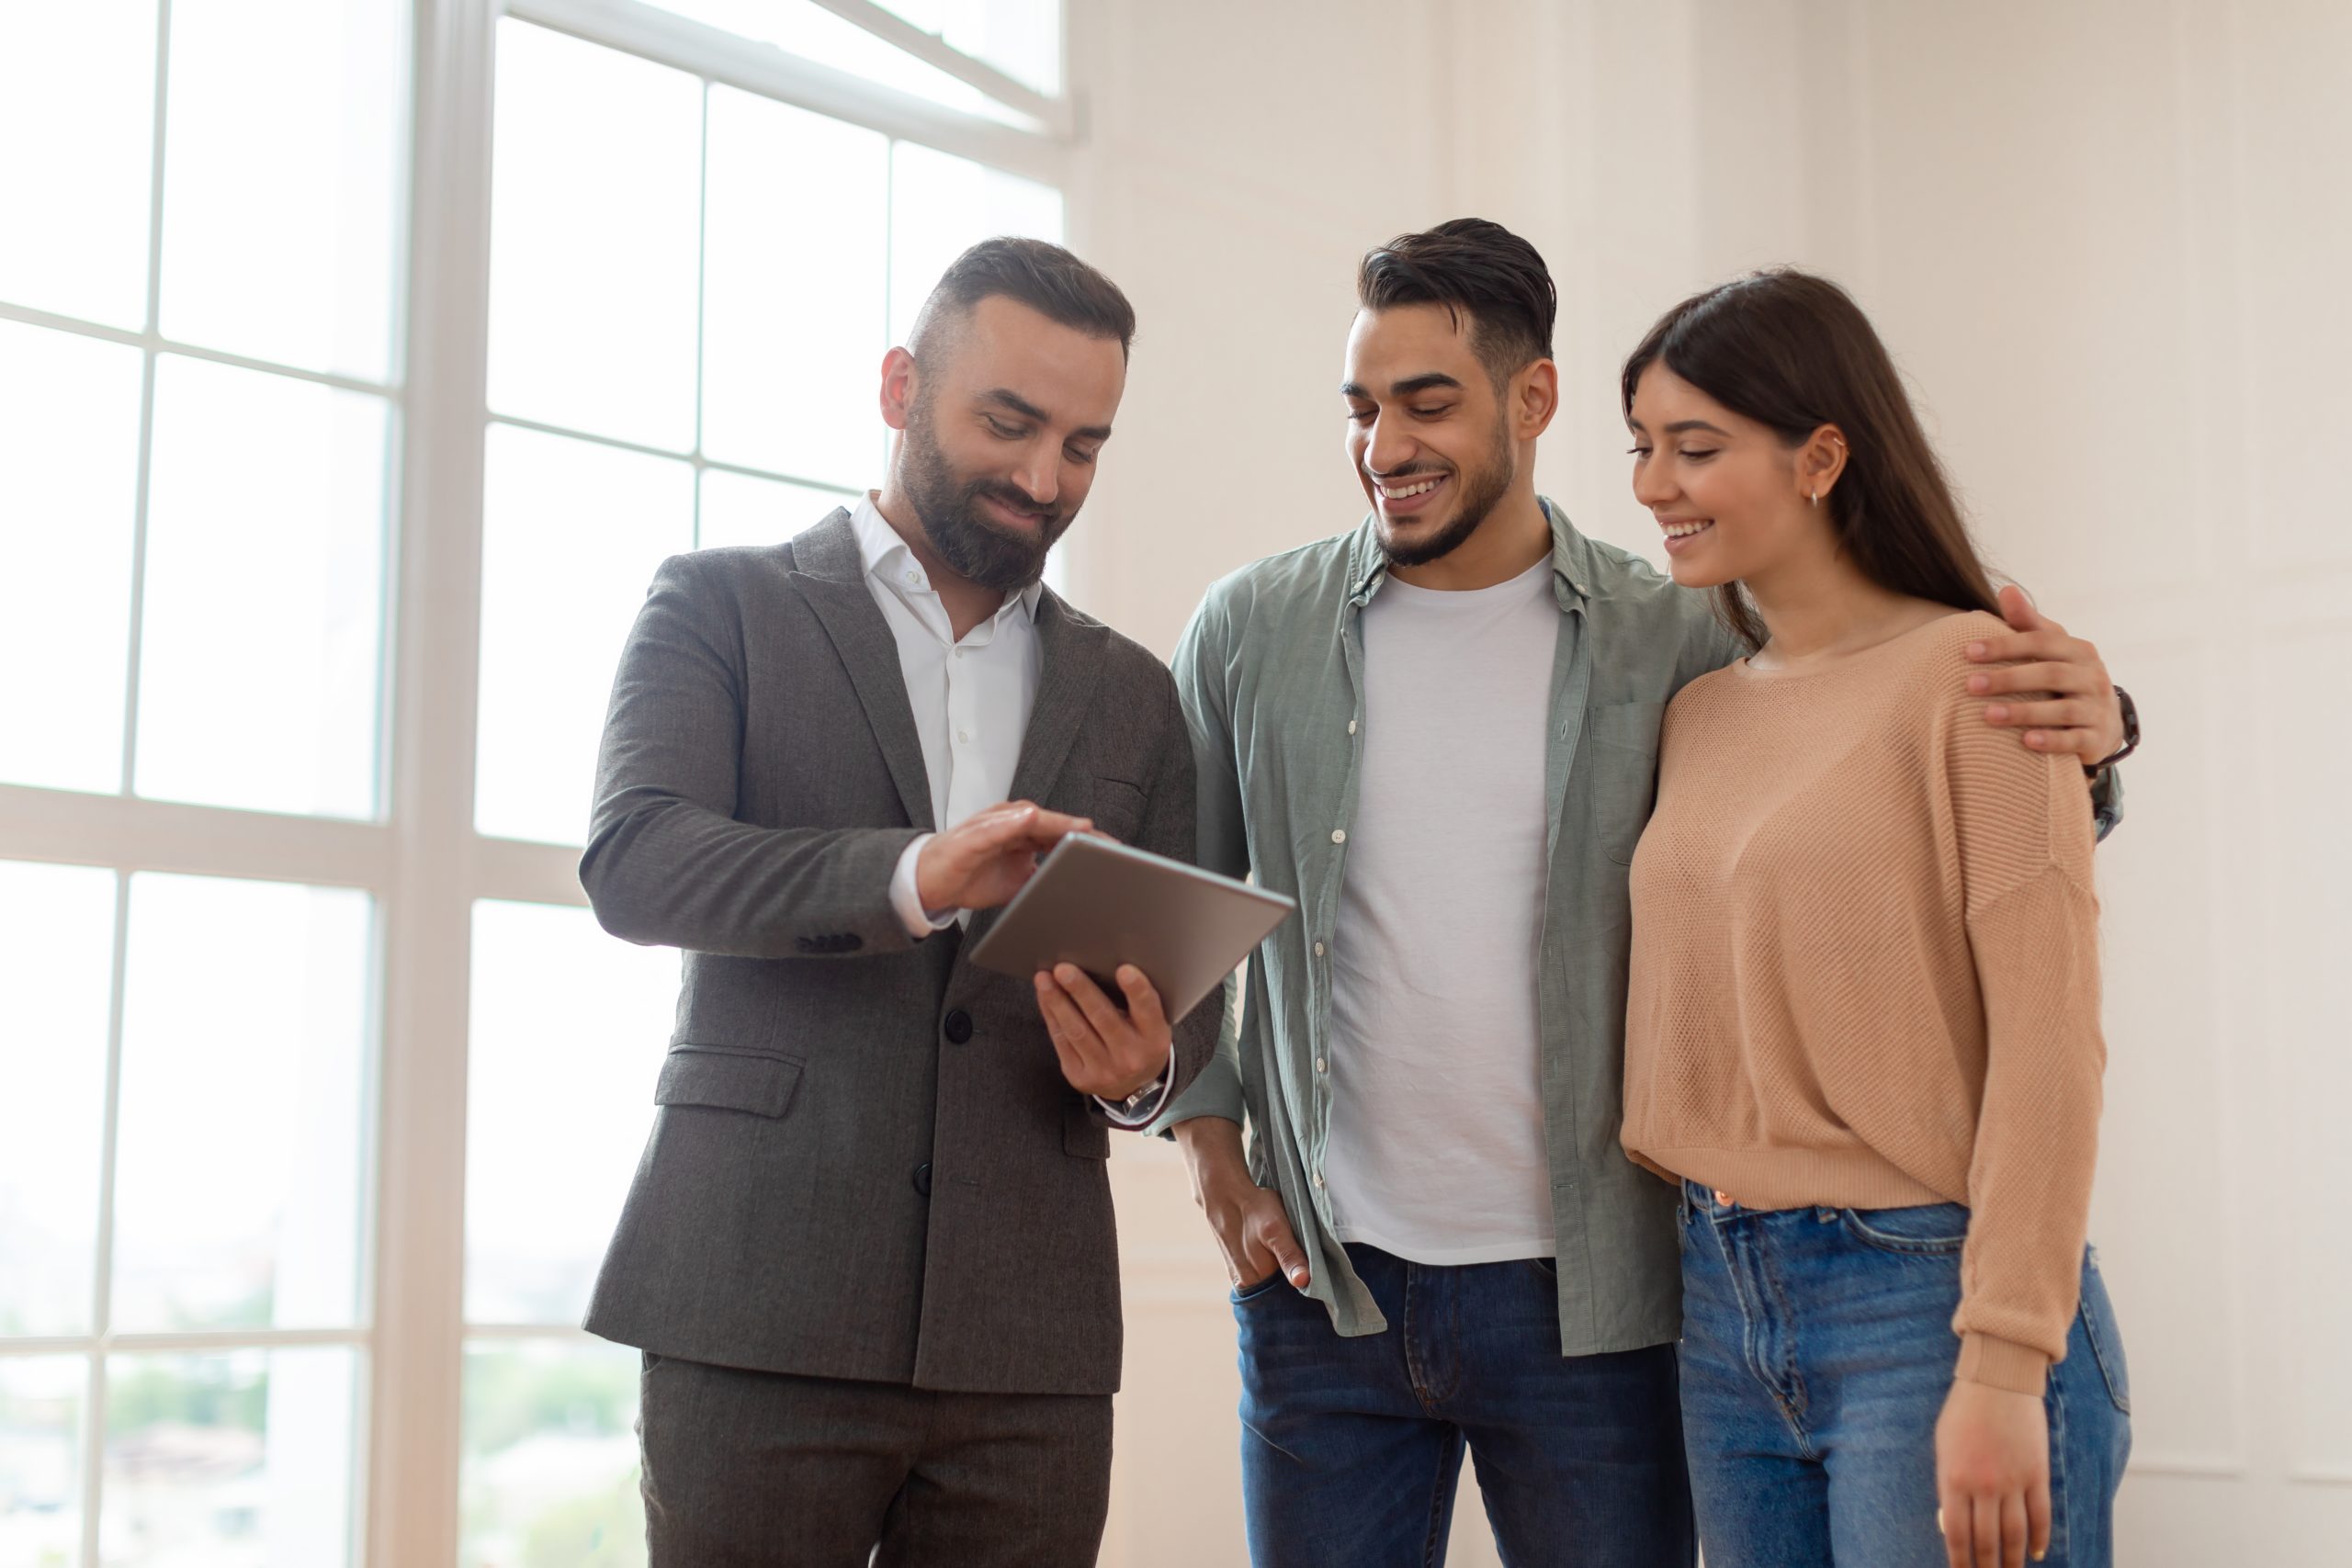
[1106, 1051]
[1099, 915]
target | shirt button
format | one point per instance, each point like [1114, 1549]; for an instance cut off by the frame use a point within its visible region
[1318, 949]
[1352, 727]
[1338, 835]
[964, 735]
[1320, 1066]
[1318, 1178]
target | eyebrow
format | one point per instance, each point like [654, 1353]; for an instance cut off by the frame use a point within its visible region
[1680, 425]
[1406, 388]
[1030, 410]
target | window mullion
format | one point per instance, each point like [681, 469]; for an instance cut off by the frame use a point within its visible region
[94, 1420]
[415, 1408]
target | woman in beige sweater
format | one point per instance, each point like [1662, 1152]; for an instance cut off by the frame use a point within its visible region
[1863, 1026]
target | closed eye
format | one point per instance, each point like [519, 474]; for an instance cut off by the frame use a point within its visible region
[1003, 431]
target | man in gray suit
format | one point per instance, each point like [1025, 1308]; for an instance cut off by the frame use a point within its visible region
[869, 1253]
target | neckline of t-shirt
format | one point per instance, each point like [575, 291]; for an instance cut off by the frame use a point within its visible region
[1464, 598]
[1865, 659]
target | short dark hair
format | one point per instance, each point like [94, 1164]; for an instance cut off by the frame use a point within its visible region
[1476, 268]
[1042, 275]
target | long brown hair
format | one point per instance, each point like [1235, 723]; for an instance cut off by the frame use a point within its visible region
[1794, 351]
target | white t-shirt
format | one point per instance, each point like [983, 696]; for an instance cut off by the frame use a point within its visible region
[1437, 1149]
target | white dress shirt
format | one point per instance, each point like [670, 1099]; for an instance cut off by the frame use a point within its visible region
[971, 699]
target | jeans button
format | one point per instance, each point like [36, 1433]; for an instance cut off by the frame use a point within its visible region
[1723, 1199]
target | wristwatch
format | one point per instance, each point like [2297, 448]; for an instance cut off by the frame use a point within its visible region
[2130, 735]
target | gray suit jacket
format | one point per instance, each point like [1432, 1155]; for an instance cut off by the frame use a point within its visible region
[865, 1161]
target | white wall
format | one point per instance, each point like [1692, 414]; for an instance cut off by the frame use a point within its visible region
[2109, 242]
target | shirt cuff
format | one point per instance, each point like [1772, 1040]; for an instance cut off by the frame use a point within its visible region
[1139, 1111]
[920, 922]
[2002, 1363]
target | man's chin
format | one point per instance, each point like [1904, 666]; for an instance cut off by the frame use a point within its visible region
[1419, 541]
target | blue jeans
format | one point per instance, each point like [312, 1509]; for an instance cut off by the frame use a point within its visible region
[1817, 1352]
[1350, 1447]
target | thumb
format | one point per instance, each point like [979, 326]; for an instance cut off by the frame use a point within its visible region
[2017, 608]
[1288, 1255]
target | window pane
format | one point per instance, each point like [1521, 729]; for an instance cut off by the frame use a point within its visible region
[795, 317]
[56, 970]
[813, 33]
[571, 533]
[742, 509]
[40, 1460]
[69, 476]
[258, 668]
[550, 1464]
[940, 205]
[241, 1154]
[230, 1461]
[281, 180]
[77, 81]
[1021, 38]
[596, 188]
[568, 1032]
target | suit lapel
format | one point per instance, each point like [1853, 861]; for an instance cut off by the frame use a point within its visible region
[1069, 660]
[831, 576]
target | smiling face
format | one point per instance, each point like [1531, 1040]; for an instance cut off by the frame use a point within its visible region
[1428, 432]
[999, 433]
[1732, 497]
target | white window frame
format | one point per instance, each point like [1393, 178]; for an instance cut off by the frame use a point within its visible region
[423, 862]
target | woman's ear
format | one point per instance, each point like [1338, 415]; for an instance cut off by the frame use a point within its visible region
[1820, 462]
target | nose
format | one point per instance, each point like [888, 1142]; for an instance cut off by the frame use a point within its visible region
[1652, 487]
[1039, 475]
[1386, 447]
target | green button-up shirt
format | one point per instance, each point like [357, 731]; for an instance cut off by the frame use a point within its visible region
[1272, 675]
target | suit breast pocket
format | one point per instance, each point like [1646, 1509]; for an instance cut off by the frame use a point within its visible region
[1118, 808]
[1621, 767]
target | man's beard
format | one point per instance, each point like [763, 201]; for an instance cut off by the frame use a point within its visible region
[1482, 491]
[947, 504]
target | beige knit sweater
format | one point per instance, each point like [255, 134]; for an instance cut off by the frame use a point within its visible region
[1865, 970]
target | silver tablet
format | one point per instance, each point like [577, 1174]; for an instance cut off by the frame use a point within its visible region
[1098, 904]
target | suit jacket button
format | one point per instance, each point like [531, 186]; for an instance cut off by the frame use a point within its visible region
[959, 1026]
[923, 1178]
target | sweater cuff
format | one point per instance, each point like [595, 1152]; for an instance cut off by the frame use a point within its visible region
[2002, 1363]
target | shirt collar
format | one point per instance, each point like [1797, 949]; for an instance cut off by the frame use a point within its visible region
[889, 561]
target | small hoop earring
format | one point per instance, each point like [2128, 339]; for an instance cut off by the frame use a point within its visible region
[1817, 498]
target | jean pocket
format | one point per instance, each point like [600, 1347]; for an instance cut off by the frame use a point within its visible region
[1928, 1231]
[1244, 1295]
[2107, 1341]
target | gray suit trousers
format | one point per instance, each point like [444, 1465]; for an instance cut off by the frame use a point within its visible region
[769, 1469]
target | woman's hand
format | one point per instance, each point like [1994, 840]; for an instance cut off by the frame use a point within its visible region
[1993, 1477]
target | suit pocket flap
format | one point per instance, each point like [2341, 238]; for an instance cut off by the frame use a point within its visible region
[1084, 1134]
[731, 1080]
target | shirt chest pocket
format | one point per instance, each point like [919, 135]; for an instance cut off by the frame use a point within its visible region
[1620, 767]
